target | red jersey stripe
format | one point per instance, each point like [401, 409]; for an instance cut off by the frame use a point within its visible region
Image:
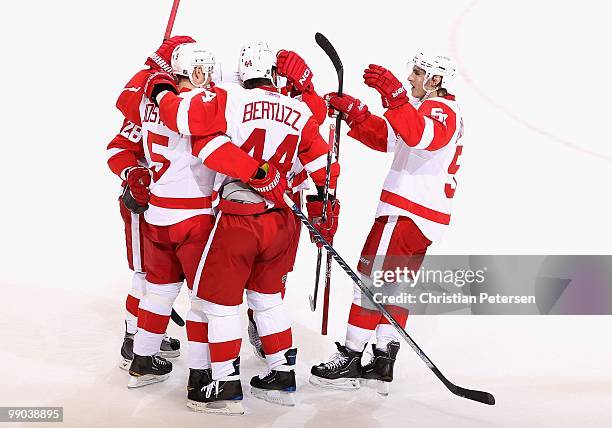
[414, 208]
[181, 203]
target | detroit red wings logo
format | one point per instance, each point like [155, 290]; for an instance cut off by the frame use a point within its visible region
[208, 96]
[439, 114]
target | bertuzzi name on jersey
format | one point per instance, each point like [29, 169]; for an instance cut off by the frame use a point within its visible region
[258, 110]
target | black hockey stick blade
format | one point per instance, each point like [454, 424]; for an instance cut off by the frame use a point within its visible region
[329, 49]
[177, 318]
[470, 394]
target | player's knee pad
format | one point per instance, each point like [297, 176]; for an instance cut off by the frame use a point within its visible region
[139, 285]
[223, 323]
[260, 302]
[357, 293]
[215, 310]
[196, 311]
[162, 295]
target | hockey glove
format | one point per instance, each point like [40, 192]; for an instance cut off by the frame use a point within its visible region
[391, 90]
[158, 83]
[270, 183]
[161, 58]
[314, 207]
[136, 193]
[294, 68]
[354, 111]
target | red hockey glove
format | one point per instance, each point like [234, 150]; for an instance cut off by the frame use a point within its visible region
[157, 83]
[270, 183]
[136, 193]
[353, 109]
[160, 59]
[391, 90]
[314, 207]
[294, 68]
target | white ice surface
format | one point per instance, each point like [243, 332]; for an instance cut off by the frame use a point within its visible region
[534, 180]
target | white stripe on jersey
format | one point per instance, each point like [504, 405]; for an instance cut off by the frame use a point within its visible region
[198, 275]
[112, 152]
[182, 117]
[212, 145]
[317, 164]
[428, 134]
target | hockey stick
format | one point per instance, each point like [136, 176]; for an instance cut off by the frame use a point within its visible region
[171, 19]
[334, 129]
[470, 394]
[173, 315]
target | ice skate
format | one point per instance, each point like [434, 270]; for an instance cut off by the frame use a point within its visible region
[222, 397]
[379, 371]
[169, 348]
[198, 379]
[341, 372]
[278, 386]
[146, 370]
[127, 351]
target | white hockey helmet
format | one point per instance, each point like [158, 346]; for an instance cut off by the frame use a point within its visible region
[187, 57]
[435, 65]
[256, 61]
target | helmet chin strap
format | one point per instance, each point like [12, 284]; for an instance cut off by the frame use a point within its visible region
[207, 77]
[427, 91]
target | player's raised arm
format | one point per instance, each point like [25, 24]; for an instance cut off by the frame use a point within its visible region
[431, 127]
[368, 129]
[202, 114]
[299, 76]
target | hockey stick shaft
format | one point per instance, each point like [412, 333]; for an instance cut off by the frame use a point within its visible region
[171, 19]
[314, 297]
[328, 263]
[326, 291]
[480, 396]
[313, 300]
[334, 144]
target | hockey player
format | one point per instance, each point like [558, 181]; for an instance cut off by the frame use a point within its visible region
[125, 158]
[299, 85]
[249, 247]
[414, 207]
[179, 215]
